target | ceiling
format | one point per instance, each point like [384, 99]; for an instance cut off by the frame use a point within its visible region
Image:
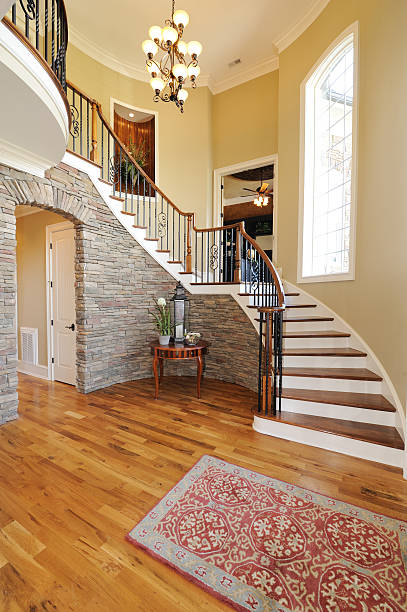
[137, 116]
[254, 32]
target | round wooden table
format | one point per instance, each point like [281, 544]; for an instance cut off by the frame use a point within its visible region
[177, 352]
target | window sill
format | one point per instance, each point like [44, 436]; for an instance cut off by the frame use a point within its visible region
[326, 278]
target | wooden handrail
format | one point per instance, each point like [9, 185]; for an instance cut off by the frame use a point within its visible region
[189, 215]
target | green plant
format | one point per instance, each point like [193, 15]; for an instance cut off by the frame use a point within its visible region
[162, 317]
[140, 154]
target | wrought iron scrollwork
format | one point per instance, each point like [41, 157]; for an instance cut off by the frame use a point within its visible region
[254, 273]
[28, 8]
[114, 169]
[213, 257]
[162, 224]
[75, 121]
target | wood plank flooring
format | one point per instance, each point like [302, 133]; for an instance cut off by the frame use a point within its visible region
[77, 472]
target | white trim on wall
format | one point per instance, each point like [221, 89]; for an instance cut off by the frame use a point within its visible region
[218, 175]
[49, 230]
[114, 101]
[305, 136]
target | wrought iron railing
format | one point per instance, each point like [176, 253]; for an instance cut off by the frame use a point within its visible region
[217, 255]
[44, 24]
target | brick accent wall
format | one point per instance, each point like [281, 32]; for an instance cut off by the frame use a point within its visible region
[116, 280]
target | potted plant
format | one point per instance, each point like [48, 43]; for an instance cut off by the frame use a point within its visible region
[140, 154]
[162, 320]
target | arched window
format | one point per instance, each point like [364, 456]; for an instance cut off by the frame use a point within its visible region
[327, 193]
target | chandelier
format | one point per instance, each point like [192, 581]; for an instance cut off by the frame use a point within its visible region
[170, 73]
[261, 200]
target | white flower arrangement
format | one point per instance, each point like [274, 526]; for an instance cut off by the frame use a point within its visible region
[192, 337]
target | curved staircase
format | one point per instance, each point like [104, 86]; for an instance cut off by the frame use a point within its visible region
[334, 392]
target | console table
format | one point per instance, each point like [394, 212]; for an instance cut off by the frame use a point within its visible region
[177, 352]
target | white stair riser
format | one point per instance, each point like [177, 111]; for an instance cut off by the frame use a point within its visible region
[315, 342]
[332, 384]
[305, 361]
[338, 444]
[345, 413]
[307, 325]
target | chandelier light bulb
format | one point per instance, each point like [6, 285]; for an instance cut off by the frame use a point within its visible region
[180, 71]
[181, 18]
[155, 33]
[182, 95]
[169, 35]
[194, 48]
[182, 47]
[149, 47]
[257, 202]
[194, 72]
[157, 84]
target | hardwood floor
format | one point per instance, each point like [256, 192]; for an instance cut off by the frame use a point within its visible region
[77, 472]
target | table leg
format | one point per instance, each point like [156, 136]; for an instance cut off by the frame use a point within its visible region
[198, 375]
[161, 368]
[155, 369]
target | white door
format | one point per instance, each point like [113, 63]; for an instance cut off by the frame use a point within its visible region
[63, 319]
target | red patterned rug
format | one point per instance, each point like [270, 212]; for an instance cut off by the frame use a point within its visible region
[261, 544]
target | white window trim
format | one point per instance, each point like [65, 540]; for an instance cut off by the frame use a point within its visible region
[314, 74]
[148, 111]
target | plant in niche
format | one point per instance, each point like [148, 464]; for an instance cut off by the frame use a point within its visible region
[140, 153]
[162, 317]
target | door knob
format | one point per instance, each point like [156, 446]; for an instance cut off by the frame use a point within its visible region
[70, 326]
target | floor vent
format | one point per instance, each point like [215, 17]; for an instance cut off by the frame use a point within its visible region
[29, 344]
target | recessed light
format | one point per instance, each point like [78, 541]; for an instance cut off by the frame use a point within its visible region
[131, 114]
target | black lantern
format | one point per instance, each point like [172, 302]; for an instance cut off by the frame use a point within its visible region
[179, 313]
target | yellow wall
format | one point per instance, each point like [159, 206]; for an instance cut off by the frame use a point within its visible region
[262, 117]
[245, 121]
[184, 147]
[31, 276]
[375, 302]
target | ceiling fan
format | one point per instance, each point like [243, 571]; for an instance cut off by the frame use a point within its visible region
[262, 192]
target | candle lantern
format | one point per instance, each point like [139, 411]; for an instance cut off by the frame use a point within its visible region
[179, 313]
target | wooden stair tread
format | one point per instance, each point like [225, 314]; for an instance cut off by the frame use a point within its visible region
[252, 294]
[106, 182]
[304, 319]
[139, 226]
[223, 283]
[366, 432]
[289, 306]
[328, 333]
[371, 401]
[175, 261]
[116, 198]
[324, 352]
[341, 373]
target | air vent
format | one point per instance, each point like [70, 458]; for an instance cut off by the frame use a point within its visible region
[235, 62]
[29, 344]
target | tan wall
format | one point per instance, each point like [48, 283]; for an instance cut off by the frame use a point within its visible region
[245, 121]
[31, 276]
[184, 141]
[375, 303]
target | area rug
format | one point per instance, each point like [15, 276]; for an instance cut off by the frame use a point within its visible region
[261, 544]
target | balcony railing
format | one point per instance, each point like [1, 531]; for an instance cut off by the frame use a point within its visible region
[43, 23]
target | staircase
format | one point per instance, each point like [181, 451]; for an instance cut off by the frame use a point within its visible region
[325, 386]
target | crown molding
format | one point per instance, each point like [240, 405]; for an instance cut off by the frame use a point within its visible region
[302, 24]
[264, 67]
[205, 80]
[104, 57]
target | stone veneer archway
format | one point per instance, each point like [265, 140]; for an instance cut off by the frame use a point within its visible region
[116, 280]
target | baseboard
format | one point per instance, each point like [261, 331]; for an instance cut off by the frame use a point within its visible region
[39, 371]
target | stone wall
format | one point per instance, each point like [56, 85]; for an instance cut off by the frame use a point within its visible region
[115, 283]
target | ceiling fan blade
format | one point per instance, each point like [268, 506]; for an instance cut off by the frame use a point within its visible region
[247, 189]
[263, 188]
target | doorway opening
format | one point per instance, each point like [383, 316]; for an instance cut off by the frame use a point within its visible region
[236, 198]
[46, 308]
